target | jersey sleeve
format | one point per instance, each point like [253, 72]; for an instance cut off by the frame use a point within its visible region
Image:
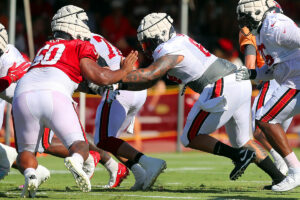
[246, 39]
[87, 50]
[287, 34]
[167, 49]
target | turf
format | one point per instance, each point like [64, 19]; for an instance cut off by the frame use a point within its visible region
[191, 175]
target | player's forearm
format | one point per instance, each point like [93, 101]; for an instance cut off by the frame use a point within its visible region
[140, 76]
[137, 86]
[108, 77]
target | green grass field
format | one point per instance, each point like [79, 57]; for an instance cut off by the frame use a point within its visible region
[189, 175]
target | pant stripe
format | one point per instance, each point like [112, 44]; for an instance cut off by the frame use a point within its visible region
[202, 115]
[104, 121]
[262, 96]
[45, 141]
[280, 105]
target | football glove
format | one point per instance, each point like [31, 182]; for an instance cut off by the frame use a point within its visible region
[243, 73]
[16, 72]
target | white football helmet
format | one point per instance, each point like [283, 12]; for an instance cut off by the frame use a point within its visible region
[251, 13]
[3, 39]
[155, 29]
[73, 21]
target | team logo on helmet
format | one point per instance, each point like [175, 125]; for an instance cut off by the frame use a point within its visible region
[153, 30]
[3, 39]
[73, 21]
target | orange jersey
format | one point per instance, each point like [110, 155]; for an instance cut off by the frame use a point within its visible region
[250, 39]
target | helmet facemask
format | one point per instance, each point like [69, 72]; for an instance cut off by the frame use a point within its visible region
[154, 29]
[251, 13]
[3, 40]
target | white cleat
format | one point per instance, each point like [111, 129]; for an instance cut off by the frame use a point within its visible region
[153, 168]
[30, 186]
[291, 181]
[89, 166]
[281, 166]
[139, 175]
[81, 178]
[43, 174]
[8, 156]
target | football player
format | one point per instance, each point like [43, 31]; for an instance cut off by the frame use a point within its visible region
[114, 116]
[12, 67]
[43, 97]
[253, 59]
[223, 100]
[278, 41]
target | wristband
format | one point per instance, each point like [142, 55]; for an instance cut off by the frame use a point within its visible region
[252, 73]
[122, 86]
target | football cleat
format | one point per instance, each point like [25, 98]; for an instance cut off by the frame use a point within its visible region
[153, 167]
[96, 157]
[139, 175]
[89, 166]
[30, 186]
[117, 177]
[8, 156]
[291, 181]
[274, 182]
[246, 157]
[43, 174]
[81, 178]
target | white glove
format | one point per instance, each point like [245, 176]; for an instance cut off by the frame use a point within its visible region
[242, 73]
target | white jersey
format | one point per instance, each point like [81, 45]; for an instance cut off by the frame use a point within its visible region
[279, 45]
[196, 58]
[7, 60]
[107, 51]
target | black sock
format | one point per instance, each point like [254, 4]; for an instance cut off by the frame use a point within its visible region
[268, 166]
[137, 157]
[129, 164]
[222, 149]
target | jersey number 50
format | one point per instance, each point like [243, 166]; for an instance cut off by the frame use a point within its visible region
[49, 55]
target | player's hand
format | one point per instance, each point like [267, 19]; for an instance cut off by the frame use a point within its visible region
[127, 63]
[242, 73]
[16, 72]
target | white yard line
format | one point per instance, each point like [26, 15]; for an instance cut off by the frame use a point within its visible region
[112, 195]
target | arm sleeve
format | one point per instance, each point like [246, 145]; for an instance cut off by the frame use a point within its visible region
[264, 73]
[249, 50]
[245, 40]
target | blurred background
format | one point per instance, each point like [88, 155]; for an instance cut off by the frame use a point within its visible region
[210, 22]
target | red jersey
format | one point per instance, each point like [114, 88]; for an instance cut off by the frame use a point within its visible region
[65, 55]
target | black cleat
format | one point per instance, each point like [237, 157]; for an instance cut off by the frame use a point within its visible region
[246, 157]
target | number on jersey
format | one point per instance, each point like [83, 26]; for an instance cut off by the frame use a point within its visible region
[49, 55]
[109, 46]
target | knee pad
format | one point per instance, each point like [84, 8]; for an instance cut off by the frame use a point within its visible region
[110, 144]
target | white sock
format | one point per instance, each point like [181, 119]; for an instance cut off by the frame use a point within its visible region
[29, 171]
[111, 165]
[275, 154]
[292, 161]
[78, 157]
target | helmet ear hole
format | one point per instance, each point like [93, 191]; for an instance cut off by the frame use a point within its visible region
[257, 12]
